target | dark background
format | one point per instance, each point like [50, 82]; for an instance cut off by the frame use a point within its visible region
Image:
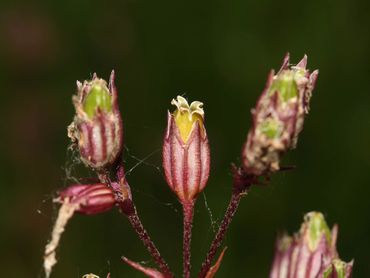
[218, 52]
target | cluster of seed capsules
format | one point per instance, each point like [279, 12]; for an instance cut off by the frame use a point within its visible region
[97, 132]
[278, 118]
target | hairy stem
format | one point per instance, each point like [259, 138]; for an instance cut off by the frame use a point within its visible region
[127, 207]
[148, 243]
[188, 209]
[216, 243]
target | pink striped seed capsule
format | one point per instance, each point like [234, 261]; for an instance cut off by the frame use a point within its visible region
[278, 117]
[97, 126]
[186, 155]
[91, 198]
[310, 253]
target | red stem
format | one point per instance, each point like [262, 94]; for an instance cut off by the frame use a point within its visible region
[216, 243]
[188, 209]
[148, 243]
[127, 207]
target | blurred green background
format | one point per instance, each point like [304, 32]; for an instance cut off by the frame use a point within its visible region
[218, 52]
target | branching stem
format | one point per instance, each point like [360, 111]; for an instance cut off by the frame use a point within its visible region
[148, 243]
[127, 208]
[216, 243]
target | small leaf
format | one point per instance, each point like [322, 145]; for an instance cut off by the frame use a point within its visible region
[150, 272]
[213, 270]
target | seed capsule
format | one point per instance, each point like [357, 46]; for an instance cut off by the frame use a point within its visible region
[97, 126]
[310, 253]
[278, 117]
[91, 198]
[186, 155]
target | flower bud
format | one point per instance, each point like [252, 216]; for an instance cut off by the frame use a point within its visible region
[310, 253]
[186, 156]
[278, 117]
[90, 198]
[97, 126]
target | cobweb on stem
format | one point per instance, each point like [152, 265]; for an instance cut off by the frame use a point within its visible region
[67, 209]
[158, 168]
[214, 223]
[73, 170]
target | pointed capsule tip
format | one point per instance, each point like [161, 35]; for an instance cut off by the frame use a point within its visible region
[302, 63]
[112, 76]
[169, 123]
[79, 85]
[285, 63]
[313, 78]
[314, 75]
[334, 236]
[270, 78]
[112, 86]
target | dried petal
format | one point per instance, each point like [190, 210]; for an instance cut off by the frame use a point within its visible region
[65, 213]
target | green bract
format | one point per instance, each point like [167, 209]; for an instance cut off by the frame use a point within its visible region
[98, 97]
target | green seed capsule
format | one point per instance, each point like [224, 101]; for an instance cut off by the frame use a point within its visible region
[98, 97]
[285, 85]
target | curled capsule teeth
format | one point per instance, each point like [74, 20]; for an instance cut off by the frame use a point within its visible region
[186, 155]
